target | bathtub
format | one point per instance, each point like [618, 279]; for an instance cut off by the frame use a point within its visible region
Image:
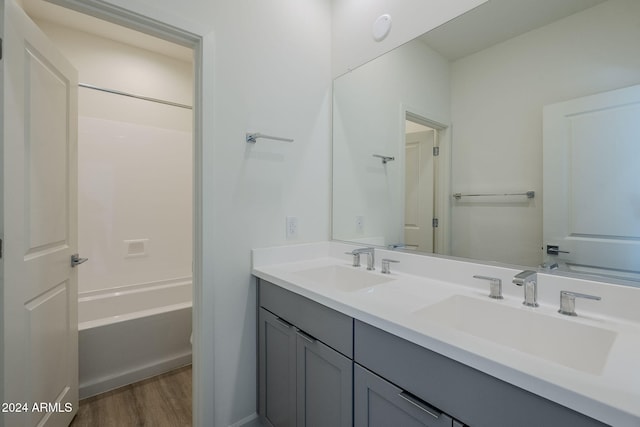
[131, 333]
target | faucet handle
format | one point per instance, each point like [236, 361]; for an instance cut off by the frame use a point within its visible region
[495, 286]
[568, 301]
[386, 269]
[356, 258]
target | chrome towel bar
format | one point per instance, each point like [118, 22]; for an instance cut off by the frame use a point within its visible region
[384, 159]
[529, 194]
[253, 137]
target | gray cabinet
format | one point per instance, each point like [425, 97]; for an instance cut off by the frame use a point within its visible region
[303, 381]
[324, 385]
[277, 370]
[320, 368]
[378, 403]
[469, 395]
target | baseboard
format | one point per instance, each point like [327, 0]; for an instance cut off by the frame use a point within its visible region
[251, 421]
[121, 379]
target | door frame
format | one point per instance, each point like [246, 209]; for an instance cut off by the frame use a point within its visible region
[156, 22]
[442, 173]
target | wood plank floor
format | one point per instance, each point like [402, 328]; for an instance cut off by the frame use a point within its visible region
[160, 401]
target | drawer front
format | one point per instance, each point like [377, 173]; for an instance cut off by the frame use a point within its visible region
[378, 403]
[327, 325]
[471, 396]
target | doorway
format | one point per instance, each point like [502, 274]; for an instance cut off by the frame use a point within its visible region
[122, 148]
[422, 182]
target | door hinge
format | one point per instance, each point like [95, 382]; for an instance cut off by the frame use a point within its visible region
[434, 222]
[436, 151]
[0, 248]
[0, 48]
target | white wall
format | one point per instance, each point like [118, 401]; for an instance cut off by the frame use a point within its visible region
[271, 62]
[134, 185]
[497, 100]
[114, 65]
[135, 166]
[271, 73]
[272, 76]
[353, 44]
[368, 118]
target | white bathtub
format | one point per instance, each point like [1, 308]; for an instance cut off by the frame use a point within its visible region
[131, 333]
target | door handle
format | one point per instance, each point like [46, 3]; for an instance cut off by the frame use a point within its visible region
[555, 250]
[76, 260]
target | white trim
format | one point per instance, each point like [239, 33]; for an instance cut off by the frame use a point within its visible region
[246, 420]
[442, 169]
[136, 287]
[160, 23]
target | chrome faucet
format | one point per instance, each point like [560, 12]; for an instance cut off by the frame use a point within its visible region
[529, 280]
[370, 256]
[495, 286]
[356, 259]
[386, 267]
[568, 302]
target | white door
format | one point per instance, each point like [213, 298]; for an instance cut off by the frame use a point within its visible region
[419, 186]
[39, 222]
[592, 181]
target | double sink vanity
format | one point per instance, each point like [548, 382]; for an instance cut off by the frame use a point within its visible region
[434, 341]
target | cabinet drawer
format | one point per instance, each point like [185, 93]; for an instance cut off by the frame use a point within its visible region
[378, 403]
[471, 396]
[327, 325]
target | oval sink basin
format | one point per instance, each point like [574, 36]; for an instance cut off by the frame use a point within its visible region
[346, 279]
[558, 340]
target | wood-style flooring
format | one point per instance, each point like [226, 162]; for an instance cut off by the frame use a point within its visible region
[160, 401]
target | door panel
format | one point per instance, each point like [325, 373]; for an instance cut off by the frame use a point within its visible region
[46, 149]
[419, 189]
[277, 394]
[324, 385]
[591, 175]
[39, 220]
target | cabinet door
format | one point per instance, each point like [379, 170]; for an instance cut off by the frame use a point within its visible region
[378, 403]
[324, 385]
[277, 349]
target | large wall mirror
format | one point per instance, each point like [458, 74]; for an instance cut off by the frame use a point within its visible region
[511, 134]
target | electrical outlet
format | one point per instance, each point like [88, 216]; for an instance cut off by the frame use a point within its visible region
[292, 227]
[360, 224]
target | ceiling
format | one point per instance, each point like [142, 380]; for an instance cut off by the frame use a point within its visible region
[489, 24]
[496, 21]
[44, 11]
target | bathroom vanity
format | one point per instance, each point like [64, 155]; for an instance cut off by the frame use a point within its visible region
[340, 346]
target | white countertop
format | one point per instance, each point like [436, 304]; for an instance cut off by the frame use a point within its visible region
[417, 281]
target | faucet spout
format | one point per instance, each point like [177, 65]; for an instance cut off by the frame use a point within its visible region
[370, 256]
[528, 279]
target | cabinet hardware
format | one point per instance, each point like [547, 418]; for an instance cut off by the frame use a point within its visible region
[425, 407]
[306, 337]
[284, 323]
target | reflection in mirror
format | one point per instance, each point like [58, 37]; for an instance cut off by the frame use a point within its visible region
[488, 85]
